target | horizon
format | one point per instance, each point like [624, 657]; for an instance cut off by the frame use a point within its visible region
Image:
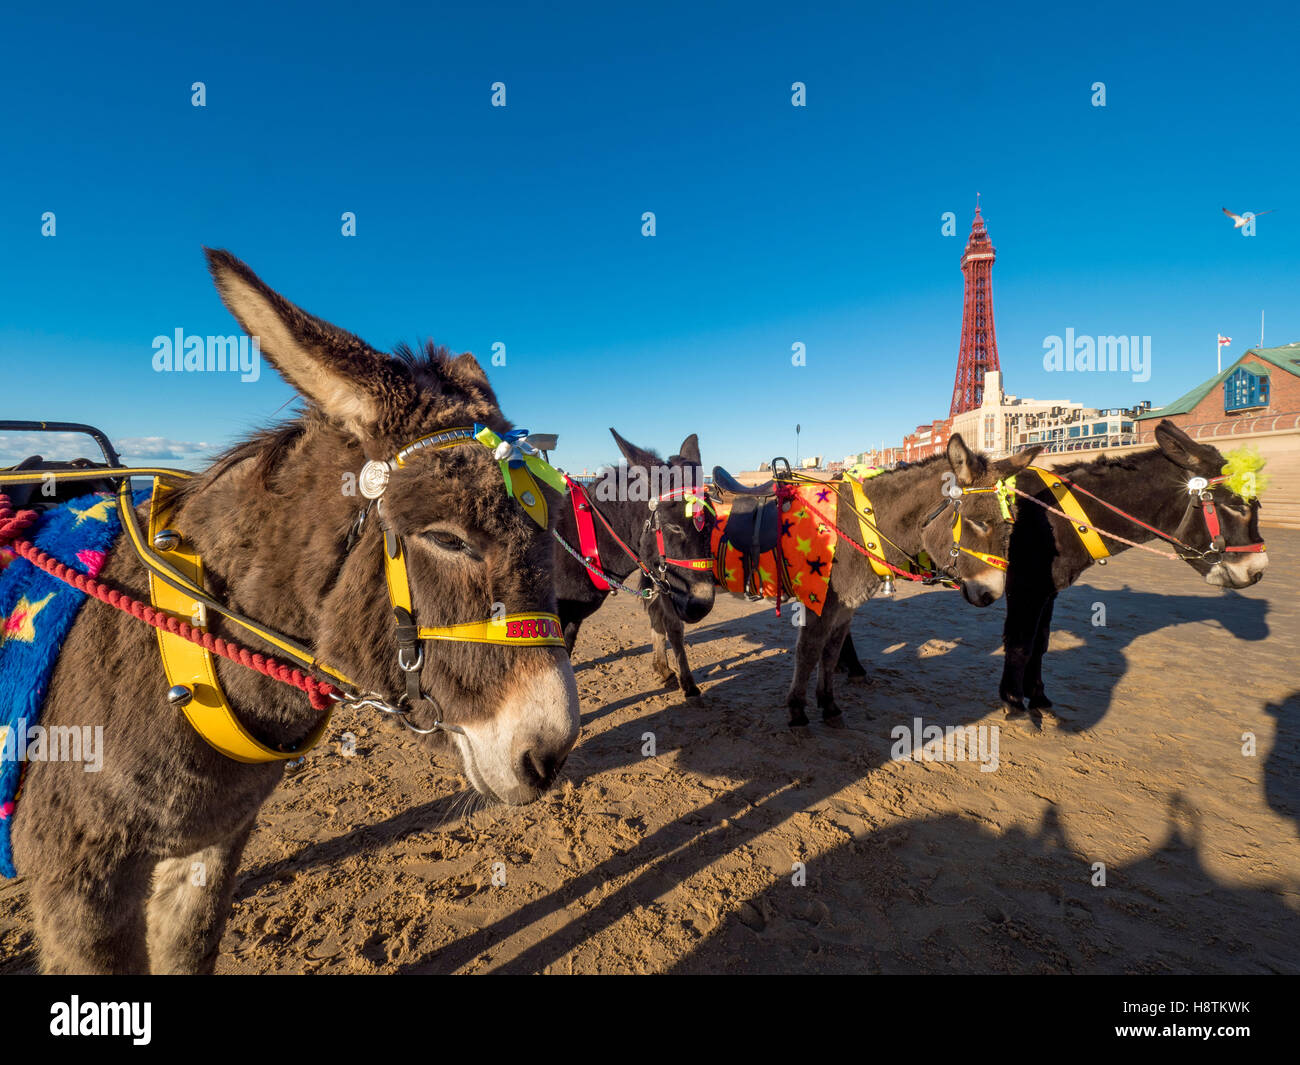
[775, 226]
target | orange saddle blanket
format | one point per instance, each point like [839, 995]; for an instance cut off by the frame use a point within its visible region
[800, 567]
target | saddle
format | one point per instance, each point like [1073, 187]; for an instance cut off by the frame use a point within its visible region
[38, 497]
[753, 526]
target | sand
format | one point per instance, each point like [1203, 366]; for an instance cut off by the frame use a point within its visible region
[685, 861]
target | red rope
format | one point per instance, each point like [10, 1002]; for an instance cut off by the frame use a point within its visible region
[11, 524]
[870, 554]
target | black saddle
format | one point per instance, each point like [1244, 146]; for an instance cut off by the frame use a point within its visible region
[33, 496]
[732, 487]
[753, 527]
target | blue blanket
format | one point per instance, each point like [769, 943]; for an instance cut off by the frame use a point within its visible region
[36, 614]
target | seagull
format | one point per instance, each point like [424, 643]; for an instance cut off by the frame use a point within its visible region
[1239, 220]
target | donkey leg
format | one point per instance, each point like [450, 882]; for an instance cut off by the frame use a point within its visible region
[91, 923]
[807, 654]
[570, 629]
[849, 662]
[838, 630]
[190, 905]
[659, 647]
[675, 630]
[1038, 699]
[1024, 607]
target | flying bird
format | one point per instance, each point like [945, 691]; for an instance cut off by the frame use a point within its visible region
[1239, 220]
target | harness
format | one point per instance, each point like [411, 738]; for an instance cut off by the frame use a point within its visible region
[788, 484]
[176, 588]
[920, 567]
[584, 508]
[1200, 497]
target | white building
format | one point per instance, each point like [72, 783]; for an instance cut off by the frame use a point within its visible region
[1004, 423]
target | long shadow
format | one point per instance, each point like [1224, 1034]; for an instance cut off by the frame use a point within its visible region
[1282, 766]
[1097, 659]
[359, 840]
[949, 895]
[816, 766]
[1227, 617]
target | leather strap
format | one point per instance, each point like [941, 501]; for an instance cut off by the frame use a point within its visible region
[1065, 500]
[587, 543]
[191, 666]
[865, 512]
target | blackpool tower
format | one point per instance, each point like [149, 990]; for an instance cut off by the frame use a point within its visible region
[979, 342]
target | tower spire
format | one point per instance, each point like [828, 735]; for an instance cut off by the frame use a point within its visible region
[978, 353]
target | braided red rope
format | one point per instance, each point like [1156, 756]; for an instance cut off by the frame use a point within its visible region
[320, 693]
[863, 551]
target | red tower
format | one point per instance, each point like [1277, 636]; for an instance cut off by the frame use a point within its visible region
[979, 342]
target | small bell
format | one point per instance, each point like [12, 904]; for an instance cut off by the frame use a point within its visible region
[887, 586]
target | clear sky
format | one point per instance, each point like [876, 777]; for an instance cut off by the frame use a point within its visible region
[776, 225]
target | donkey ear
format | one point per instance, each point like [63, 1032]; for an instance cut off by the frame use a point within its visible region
[340, 373]
[690, 451]
[966, 464]
[1182, 450]
[1021, 459]
[635, 456]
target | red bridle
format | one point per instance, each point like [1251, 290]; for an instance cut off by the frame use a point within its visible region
[584, 508]
[697, 565]
[1198, 489]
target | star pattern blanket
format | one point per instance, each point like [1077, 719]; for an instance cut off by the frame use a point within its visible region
[807, 549]
[36, 614]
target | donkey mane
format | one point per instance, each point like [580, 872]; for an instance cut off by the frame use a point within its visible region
[431, 365]
[1105, 462]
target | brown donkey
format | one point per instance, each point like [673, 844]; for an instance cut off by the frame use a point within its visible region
[132, 868]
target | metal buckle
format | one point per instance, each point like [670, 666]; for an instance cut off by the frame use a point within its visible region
[401, 659]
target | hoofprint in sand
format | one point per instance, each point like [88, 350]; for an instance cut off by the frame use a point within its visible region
[685, 860]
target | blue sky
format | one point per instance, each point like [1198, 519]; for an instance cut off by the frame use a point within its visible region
[522, 225]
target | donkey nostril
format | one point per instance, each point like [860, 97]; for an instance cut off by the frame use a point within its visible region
[538, 768]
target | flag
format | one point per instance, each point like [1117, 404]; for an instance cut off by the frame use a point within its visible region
[1224, 340]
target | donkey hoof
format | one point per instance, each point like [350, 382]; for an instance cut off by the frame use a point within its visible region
[798, 719]
[670, 682]
[858, 678]
[1040, 702]
[692, 692]
[1012, 708]
[836, 720]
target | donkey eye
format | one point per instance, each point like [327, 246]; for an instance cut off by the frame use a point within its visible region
[448, 541]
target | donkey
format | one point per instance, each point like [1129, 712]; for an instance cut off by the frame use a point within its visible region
[1047, 554]
[904, 503]
[110, 856]
[665, 530]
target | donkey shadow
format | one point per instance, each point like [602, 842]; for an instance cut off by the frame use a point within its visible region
[1225, 618]
[814, 766]
[949, 895]
[1282, 766]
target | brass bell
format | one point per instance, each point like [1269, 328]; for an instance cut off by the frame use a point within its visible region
[179, 695]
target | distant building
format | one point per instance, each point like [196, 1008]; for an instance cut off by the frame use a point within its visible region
[1258, 392]
[928, 440]
[1003, 423]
